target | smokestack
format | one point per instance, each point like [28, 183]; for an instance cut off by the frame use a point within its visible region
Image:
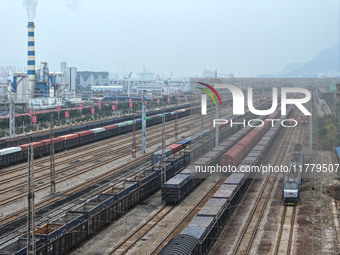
[31, 59]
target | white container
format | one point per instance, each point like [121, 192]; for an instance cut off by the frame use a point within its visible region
[97, 130]
[9, 150]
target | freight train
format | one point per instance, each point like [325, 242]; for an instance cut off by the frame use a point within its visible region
[12, 142]
[68, 231]
[203, 230]
[61, 235]
[17, 154]
[292, 180]
[230, 153]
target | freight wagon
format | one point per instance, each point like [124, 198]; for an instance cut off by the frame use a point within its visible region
[203, 230]
[235, 149]
[78, 138]
[61, 235]
[12, 142]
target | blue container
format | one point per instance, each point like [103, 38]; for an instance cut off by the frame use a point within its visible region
[194, 138]
[138, 120]
[185, 143]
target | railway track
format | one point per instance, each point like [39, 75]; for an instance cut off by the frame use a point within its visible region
[86, 150]
[178, 228]
[17, 222]
[284, 243]
[71, 163]
[286, 230]
[127, 244]
[70, 170]
[50, 212]
[249, 230]
[122, 151]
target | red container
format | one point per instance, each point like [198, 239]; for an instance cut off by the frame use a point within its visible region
[48, 141]
[83, 133]
[233, 157]
[110, 127]
[68, 137]
[35, 145]
[275, 114]
[175, 147]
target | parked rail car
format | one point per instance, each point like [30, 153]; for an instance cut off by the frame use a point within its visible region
[12, 142]
[73, 227]
[235, 155]
[236, 143]
[80, 138]
[89, 217]
[197, 238]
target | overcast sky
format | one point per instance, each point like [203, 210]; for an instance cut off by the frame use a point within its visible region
[179, 36]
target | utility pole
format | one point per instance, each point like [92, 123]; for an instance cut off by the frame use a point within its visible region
[52, 166]
[143, 126]
[134, 133]
[31, 249]
[217, 128]
[163, 172]
[176, 121]
[11, 109]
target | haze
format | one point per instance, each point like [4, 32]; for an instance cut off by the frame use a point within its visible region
[179, 36]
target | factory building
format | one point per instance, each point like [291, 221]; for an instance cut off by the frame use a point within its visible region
[88, 79]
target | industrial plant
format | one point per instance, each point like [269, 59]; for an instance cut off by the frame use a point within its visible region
[113, 153]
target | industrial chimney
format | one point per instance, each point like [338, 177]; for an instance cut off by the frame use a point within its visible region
[31, 59]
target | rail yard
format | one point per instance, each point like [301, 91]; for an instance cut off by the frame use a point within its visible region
[174, 128]
[106, 203]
